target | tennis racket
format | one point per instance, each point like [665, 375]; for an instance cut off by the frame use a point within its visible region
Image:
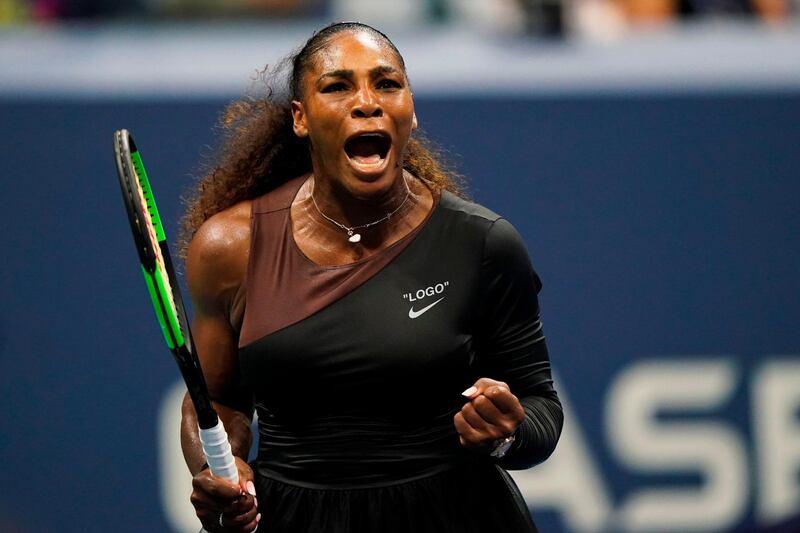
[162, 284]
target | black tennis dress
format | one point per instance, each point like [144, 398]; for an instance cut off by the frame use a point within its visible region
[357, 372]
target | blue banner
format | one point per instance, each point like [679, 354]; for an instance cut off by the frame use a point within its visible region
[665, 230]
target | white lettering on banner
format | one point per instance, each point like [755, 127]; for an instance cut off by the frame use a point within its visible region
[643, 443]
[776, 428]
[569, 480]
[572, 483]
[176, 481]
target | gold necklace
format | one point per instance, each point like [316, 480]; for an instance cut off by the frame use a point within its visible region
[352, 235]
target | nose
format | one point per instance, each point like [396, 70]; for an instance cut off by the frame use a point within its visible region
[366, 105]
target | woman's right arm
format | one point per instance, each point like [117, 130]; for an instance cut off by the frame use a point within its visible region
[216, 266]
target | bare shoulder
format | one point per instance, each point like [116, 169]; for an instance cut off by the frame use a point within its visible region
[216, 259]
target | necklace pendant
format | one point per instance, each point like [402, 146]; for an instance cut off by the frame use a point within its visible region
[354, 237]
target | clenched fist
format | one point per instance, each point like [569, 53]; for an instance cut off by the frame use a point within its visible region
[491, 413]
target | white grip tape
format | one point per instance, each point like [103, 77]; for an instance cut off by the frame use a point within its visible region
[218, 453]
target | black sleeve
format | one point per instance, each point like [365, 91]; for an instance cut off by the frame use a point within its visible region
[510, 345]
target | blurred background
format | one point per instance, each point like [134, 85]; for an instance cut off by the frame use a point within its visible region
[647, 150]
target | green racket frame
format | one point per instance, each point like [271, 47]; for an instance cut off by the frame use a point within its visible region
[159, 274]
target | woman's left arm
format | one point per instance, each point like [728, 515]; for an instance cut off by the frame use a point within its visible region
[515, 394]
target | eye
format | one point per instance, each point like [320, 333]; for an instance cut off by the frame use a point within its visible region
[387, 83]
[334, 87]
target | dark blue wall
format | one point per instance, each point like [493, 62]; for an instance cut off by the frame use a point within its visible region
[661, 226]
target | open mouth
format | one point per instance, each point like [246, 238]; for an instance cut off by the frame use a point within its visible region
[368, 148]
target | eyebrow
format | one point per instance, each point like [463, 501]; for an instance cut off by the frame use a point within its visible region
[348, 73]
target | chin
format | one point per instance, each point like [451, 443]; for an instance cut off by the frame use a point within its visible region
[371, 183]
[371, 187]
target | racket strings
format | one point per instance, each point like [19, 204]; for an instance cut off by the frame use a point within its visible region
[147, 197]
[152, 223]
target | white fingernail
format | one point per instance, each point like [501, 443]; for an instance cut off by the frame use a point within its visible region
[470, 391]
[251, 488]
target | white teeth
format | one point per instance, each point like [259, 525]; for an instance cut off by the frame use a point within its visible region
[373, 159]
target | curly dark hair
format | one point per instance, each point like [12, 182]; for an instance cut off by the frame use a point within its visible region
[259, 150]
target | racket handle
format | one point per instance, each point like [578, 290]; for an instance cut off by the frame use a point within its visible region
[218, 452]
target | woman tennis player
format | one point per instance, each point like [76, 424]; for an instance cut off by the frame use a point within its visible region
[385, 330]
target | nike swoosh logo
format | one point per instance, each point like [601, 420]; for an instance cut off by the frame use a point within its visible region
[415, 314]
